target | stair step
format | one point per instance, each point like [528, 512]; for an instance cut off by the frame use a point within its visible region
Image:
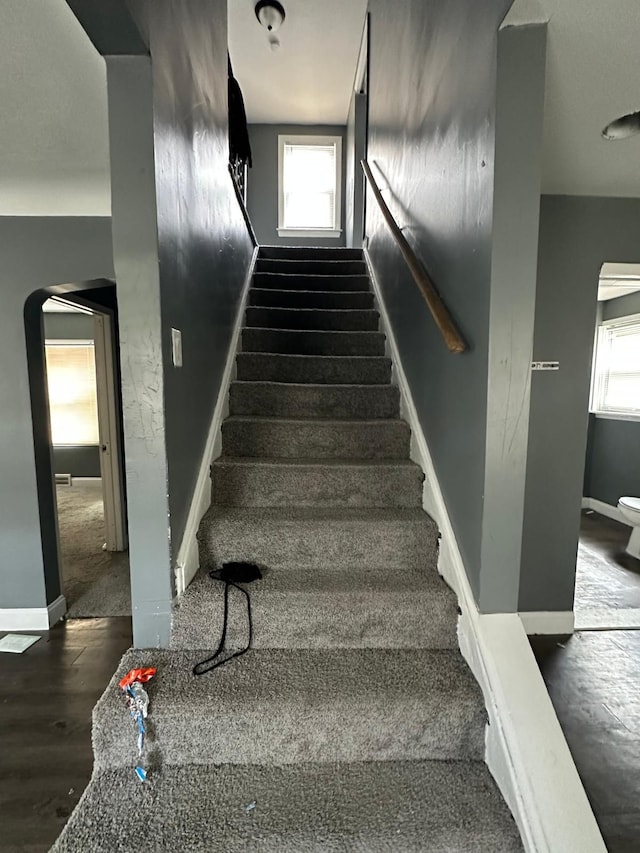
[242, 481]
[303, 539]
[272, 298]
[314, 369]
[280, 400]
[314, 342]
[352, 608]
[380, 807]
[312, 266]
[277, 437]
[287, 706]
[317, 253]
[282, 281]
[345, 320]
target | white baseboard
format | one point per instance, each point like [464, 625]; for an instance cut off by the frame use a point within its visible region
[187, 561]
[548, 622]
[33, 618]
[526, 751]
[605, 509]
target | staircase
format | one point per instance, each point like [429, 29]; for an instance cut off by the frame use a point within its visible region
[354, 724]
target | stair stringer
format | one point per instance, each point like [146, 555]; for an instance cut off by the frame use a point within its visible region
[525, 748]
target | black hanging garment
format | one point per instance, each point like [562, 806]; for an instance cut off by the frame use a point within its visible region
[231, 574]
[239, 145]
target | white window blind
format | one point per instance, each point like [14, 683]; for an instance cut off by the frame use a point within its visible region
[71, 380]
[310, 186]
[617, 389]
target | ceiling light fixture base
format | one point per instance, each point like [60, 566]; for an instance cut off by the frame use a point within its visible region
[271, 14]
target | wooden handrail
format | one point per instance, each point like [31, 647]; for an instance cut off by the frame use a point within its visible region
[439, 311]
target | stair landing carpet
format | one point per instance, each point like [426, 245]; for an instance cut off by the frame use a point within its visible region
[353, 724]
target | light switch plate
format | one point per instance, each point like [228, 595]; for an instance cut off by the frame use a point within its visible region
[176, 347]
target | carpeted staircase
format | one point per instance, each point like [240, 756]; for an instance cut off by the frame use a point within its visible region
[354, 723]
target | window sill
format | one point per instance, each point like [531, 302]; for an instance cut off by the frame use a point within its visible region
[309, 232]
[616, 416]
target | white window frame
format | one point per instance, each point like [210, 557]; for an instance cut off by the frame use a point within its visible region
[336, 231]
[600, 372]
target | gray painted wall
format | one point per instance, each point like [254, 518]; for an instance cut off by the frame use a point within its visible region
[431, 139]
[356, 141]
[36, 252]
[577, 235]
[181, 251]
[262, 182]
[613, 446]
[84, 460]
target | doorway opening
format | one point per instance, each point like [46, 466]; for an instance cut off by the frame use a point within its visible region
[75, 385]
[607, 593]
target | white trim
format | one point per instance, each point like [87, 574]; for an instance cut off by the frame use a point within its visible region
[525, 748]
[615, 416]
[547, 622]
[309, 232]
[33, 618]
[605, 509]
[187, 560]
[302, 139]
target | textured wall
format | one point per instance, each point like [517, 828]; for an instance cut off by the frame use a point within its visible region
[356, 144]
[36, 252]
[431, 142]
[262, 183]
[203, 246]
[577, 235]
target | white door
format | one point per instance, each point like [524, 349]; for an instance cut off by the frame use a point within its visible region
[108, 428]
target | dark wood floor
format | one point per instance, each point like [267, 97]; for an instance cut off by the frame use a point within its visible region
[606, 576]
[46, 698]
[593, 679]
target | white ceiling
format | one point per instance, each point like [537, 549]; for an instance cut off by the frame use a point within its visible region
[54, 157]
[310, 78]
[593, 77]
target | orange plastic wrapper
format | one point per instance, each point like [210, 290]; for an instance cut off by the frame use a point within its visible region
[140, 675]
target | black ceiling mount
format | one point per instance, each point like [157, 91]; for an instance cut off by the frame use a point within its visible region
[265, 4]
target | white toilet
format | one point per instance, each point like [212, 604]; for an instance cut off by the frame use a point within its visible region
[630, 509]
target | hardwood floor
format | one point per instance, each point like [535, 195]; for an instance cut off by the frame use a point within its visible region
[46, 698]
[593, 679]
[606, 576]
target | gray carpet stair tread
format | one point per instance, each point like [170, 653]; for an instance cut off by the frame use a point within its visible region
[298, 400]
[335, 607]
[313, 319]
[313, 369]
[307, 538]
[381, 807]
[270, 297]
[321, 253]
[297, 281]
[313, 266]
[247, 481]
[312, 342]
[275, 706]
[294, 438]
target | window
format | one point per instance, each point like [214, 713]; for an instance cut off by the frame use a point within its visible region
[309, 180]
[71, 379]
[616, 387]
